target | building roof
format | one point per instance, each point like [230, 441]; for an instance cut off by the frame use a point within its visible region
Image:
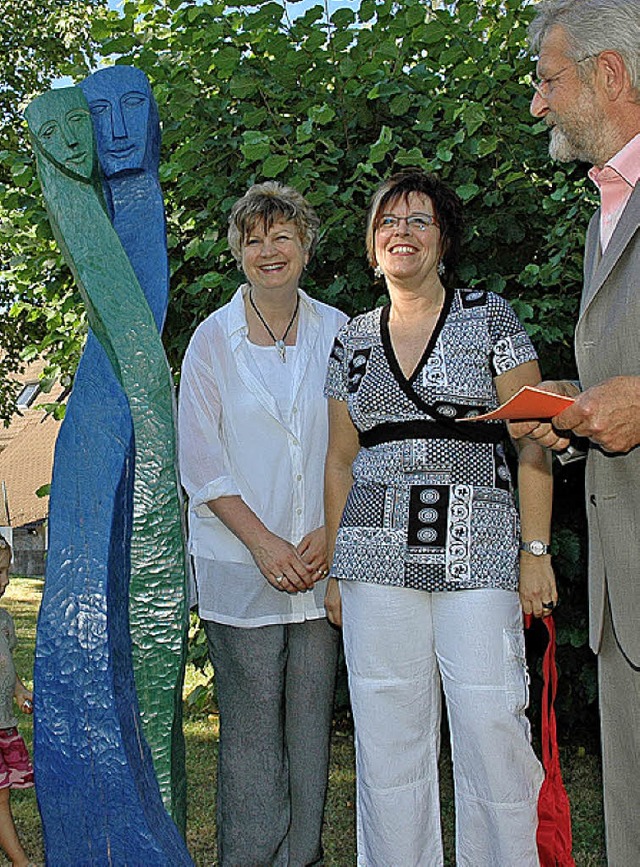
[26, 452]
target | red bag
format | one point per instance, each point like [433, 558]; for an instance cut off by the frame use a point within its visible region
[554, 813]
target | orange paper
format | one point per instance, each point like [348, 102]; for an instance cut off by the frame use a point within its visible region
[528, 403]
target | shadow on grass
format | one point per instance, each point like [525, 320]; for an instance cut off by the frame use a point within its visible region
[581, 775]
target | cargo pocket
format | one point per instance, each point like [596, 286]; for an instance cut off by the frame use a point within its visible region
[515, 672]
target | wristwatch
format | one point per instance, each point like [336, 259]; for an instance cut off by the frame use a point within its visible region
[535, 547]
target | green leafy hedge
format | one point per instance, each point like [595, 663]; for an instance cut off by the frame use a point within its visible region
[331, 105]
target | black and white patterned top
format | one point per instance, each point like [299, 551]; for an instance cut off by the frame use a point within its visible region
[431, 506]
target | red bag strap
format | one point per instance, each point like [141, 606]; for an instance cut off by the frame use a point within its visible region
[549, 689]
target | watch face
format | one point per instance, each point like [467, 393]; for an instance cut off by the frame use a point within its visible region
[537, 547]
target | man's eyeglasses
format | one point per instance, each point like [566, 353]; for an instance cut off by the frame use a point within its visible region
[415, 222]
[544, 86]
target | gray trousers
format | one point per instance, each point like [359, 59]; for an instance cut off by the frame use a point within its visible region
[619, 686]
[275, 688]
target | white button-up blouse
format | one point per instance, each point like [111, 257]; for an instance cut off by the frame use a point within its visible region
[235, 438]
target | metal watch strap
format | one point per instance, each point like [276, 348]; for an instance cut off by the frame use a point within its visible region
[536, 547]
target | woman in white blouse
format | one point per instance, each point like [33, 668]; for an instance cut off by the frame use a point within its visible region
[253, 437]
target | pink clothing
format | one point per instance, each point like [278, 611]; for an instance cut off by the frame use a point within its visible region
[16, 771]
[616, 181]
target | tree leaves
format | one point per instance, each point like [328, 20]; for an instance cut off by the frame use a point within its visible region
[248, 93]
[331, 106]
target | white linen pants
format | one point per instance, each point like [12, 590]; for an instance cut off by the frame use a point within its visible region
[400, 644]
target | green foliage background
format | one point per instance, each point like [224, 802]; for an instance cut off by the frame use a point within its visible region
[330, 104]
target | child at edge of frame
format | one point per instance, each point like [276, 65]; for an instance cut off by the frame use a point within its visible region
[16, 771]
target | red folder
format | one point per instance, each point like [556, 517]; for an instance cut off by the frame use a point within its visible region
[528, 403]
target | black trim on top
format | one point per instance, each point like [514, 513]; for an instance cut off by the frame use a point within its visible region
[385, 336]
[442, 426]
[422, 429]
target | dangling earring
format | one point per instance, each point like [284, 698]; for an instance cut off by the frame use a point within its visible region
[441, 268]
[377, 272]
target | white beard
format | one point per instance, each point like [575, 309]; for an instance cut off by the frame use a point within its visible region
[560, 148]
[579, 134]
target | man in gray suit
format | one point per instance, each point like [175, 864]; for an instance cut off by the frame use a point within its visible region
[588, 92]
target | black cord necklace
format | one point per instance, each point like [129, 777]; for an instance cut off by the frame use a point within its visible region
[279, 344]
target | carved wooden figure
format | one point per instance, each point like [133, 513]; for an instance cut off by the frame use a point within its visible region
[127, 132]
[97, 791]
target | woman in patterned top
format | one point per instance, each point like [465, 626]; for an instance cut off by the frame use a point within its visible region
[425, 533]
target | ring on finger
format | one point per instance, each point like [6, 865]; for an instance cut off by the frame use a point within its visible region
[549, 606]
[280, 578]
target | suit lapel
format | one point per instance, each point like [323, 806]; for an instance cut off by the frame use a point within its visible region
[598, 266]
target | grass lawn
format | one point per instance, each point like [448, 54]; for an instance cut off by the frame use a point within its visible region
[581, 773]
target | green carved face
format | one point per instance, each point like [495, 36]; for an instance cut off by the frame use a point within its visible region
[61, 125]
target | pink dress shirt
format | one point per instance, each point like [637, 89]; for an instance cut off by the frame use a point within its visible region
[616, 180]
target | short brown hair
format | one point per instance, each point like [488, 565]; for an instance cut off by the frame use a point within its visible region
[267, 203]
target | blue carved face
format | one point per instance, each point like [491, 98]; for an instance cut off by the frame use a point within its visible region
[61, 125]
[121, 108]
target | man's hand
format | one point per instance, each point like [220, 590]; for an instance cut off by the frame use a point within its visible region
[548, 434]
[608, 413]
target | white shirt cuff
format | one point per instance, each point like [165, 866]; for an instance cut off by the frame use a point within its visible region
[224, 486]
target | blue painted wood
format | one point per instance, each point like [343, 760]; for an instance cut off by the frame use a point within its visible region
[127, 131]
[97, 791]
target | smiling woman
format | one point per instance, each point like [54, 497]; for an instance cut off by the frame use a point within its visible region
[422, 521]
[407, 245]
[253, 434]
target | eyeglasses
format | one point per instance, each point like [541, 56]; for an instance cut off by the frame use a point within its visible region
[544, 86]
[415, 222]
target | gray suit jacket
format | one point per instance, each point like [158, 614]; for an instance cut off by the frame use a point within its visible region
[608, 344]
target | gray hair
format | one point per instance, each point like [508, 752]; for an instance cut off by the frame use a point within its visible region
[593, 26]
[267, 203]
